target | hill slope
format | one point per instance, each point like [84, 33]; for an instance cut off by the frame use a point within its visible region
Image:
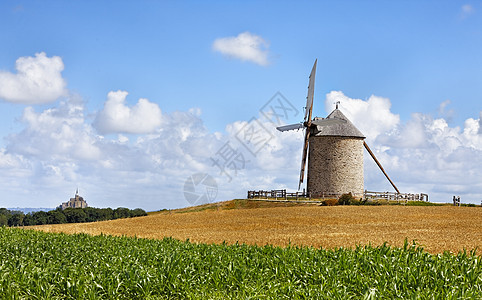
[436, 228]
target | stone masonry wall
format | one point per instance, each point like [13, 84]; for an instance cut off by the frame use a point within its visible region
[77, 202]
[335, 165]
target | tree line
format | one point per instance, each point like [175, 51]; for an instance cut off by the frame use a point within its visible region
[68, 215]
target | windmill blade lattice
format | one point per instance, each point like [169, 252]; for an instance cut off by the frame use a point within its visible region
[307, 123]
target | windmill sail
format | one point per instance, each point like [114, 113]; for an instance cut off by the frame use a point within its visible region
[304, 157]
[307, 123]
[380, 166]
[309, 98]
[338, 126]
[290, 127]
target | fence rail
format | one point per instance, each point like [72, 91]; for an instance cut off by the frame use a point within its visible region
[275, 194]
[367, 195]
[395, 196]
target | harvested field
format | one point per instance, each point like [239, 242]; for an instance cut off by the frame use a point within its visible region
[436, 228]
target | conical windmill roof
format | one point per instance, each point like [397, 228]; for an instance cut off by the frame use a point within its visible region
[346, 129]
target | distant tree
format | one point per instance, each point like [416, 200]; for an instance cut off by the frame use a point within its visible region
[138, 212]
[29, 220]
[69, 215]
[93, 214]
[40, 218]
[16, 219]
[3, 220]
[75, 215]
[4, 211]
[106, 214]
[121, 212]
[57, 217]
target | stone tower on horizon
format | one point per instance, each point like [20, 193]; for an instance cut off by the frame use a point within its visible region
[76, 202]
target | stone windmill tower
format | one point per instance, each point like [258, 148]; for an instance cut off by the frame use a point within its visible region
[335, 156]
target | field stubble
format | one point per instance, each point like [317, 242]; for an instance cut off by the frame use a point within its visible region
[436, 228]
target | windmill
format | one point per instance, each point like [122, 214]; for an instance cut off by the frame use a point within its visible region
[334, 149]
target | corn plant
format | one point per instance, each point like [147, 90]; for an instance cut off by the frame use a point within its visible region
[37, 265]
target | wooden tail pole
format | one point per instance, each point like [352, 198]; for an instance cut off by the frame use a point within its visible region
[379, 165]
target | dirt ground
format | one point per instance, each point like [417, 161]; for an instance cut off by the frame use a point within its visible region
[436, 228]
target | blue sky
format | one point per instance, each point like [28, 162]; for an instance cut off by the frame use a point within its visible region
[205, 68]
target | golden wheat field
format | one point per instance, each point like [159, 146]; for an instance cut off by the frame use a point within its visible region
[436, 228]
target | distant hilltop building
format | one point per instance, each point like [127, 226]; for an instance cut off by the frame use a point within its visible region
[76, 202]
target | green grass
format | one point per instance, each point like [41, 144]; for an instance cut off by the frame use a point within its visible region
[423, 203]
[36, 265]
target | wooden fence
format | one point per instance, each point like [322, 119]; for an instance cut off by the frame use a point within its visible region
[367, 195]
[395, 196]
[281, 194]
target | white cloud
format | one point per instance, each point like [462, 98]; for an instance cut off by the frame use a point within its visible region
[371, 117]
[8, 161]
[38, 80]
[116, 117]
[472, 133]
[445, 113]
[422, 154]
[55, 134]
[480, 123]
[59, 150]
[246, 46]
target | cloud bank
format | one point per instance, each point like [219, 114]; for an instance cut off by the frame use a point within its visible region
[245, 46]
[372, 117]
[421, 154]
[116, 117]
[38, 80]
[136, 156]
[60, 149]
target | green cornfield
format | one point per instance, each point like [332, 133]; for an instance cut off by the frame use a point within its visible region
[37, 265]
